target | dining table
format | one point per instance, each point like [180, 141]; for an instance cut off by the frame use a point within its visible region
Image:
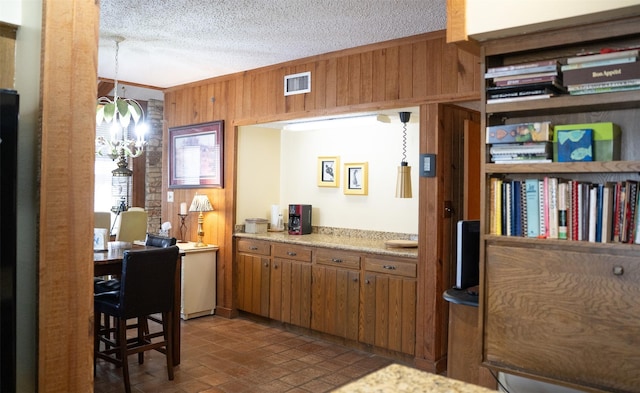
[109, 263]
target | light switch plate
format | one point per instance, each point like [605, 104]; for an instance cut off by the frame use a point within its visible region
[427, 165]
[169, 196]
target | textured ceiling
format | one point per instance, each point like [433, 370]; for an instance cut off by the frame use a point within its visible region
[172, 42]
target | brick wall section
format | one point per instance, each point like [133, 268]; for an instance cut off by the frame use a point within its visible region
[153, 189]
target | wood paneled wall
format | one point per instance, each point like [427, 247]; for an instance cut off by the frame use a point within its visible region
[411, 71]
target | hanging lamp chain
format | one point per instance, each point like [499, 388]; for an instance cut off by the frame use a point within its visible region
[404, 142]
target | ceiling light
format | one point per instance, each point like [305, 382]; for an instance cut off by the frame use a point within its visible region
[119, 112]
[403, 182]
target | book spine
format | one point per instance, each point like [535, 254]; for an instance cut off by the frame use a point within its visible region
[607, 212]
[619, 210]
[495, 216]
[526, 81]
[533, 207]
[522, 93]
[632, 187]
[616, 72]
[598, 63]
[529, 70]
[506, 201]
[516, 216]
[504, 207]
[636, 235]
[575, 210]
[599, 212]
[593, 201]
[543, 208]
[516, 99]
[602, 86]
[602, 56]
[523, 208]
[552, 222]
[522, 66]
[562, 211]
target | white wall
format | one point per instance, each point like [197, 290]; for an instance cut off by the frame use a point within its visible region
[379, 144]
[11, 11]
[484, 16]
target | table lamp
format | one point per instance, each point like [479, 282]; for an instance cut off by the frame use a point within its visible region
[200, 204]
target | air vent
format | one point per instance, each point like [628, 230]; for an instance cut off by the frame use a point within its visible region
[297, 83]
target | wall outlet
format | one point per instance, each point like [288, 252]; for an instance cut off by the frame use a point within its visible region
[169, 196]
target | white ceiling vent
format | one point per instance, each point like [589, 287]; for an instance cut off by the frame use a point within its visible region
[297, 83]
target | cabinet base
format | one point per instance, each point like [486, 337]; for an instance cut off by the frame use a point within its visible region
[197, 314]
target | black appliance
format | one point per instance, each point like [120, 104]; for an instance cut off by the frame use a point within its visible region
[468, 254]
[299, 219]
[9, 101]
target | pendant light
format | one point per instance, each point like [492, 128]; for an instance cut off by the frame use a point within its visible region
[403, 183]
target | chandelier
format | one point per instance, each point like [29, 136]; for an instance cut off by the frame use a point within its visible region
[120, 112]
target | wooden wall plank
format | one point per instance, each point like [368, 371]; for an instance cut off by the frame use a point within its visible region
[405, 71]
[354, 82]
[65, 302]
[366, 77]
[342, 81]
[392, 88]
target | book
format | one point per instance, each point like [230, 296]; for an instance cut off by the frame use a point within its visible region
[592, 211]
[520, 132]
[516, 213]
[609, 73]
[599, 212]
[521, 66]
[541, 149]
[506, 208]
[552, 197]
[554, 75]
[618, 212]
[562, 211]
[527, 81]
[523, 208]
[607, 212]
[543, 208]
[495, 200]
[597, 63]
[516, 99]
[524, 161]
[553, 87]
[533, 207]
[604, 85]
[629, 213]
[574, 206]
[523, 71]
[520, 93]
[602, 56]
[599, 90]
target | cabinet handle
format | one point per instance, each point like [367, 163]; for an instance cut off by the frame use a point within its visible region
[366, 281]
[291, 253]
[389, 267]
[266, 264]
[275, 265]
[253, 248]
[336, 260]
[355, 279]
[618, 270]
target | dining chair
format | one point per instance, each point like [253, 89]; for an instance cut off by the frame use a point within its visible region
[131, 225]
[147, 286]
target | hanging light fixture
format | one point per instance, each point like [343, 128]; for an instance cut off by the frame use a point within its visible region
[119, 112]
[403, 183]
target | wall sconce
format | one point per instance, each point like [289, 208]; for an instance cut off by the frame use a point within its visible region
[403, 183]
[200, 204]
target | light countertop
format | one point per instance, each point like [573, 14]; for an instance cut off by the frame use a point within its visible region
[403, 379]
[349, 243]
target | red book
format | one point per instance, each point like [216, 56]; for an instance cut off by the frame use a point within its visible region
[575, 210]
[618, 211]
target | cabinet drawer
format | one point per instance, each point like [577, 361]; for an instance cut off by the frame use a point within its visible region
[289, 251]
[399, 268]
[254, 247]
[338, 258]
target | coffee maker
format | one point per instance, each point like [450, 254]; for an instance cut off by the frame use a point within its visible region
[299, 219]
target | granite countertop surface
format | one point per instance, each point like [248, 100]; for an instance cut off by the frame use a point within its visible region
[373, 245]
[398, 378]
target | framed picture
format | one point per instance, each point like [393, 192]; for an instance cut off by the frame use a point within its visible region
[328, 171]
[356, 181]
[196, 155]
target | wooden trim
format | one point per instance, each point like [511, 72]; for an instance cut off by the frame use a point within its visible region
[457, 27]
[68, 93]
[7, 55]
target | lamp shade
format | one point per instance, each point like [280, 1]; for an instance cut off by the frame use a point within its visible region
[200, 203]
[403, 182]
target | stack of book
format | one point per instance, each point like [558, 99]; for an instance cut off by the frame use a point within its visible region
[554, 208]
[520, 143]
[602, 72]
[527, 81]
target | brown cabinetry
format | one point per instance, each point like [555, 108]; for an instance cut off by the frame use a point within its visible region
[388, 315]
[336, 293]
[253, 261]
[560, 310]
[290, 288]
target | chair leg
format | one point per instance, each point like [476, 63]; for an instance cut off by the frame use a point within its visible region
[167, 327]
[141, 336]
[122, 344]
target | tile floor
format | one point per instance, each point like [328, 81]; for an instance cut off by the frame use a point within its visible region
[239, 355]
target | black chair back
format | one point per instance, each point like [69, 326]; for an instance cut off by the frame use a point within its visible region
[147, 284]
[159, 241]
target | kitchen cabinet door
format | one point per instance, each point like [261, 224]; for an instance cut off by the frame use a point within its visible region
[336, 297]
[388, 318]
[290, 292]
[253, 282]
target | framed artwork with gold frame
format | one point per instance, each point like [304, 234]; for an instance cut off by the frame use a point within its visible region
[328, 171]
[356, 178]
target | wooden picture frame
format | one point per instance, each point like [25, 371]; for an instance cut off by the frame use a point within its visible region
[328, 171]
[356, 178]
[196, 155]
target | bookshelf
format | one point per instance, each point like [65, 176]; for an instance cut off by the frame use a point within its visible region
[562, 311]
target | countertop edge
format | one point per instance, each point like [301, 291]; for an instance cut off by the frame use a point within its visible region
[335, 242]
